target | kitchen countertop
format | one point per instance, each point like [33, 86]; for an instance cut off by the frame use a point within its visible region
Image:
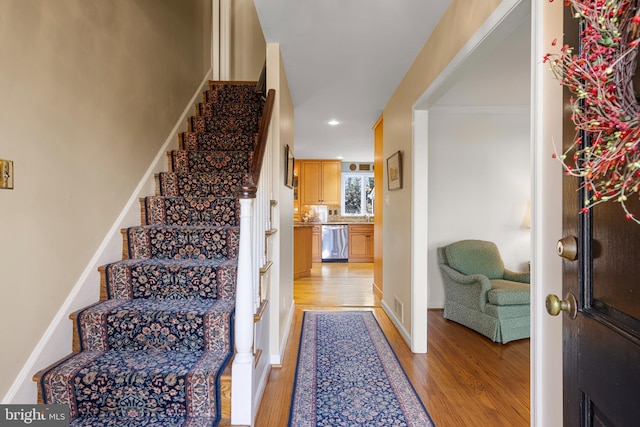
[312, 223]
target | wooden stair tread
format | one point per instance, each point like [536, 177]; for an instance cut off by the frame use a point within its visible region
[266, 267]
[258, 315]
[225, 392]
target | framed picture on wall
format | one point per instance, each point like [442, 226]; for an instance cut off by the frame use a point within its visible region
[288, 167]
[394, 171]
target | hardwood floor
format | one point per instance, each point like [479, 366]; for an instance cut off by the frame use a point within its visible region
[464, 380]
[336, 285]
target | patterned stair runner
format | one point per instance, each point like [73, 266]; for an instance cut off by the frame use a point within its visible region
[152, 352]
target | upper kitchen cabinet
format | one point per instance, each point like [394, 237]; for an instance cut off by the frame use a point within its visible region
[319, 182]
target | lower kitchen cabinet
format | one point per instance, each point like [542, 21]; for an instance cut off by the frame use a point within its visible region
[301, 251]
[360, 242]
[316, 243]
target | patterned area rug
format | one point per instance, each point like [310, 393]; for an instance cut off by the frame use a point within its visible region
[348, 375]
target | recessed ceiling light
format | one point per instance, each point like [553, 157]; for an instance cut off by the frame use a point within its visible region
[333, 122]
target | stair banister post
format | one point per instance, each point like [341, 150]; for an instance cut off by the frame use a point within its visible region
[242, 368]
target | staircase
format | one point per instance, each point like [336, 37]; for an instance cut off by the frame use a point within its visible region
[153, 350]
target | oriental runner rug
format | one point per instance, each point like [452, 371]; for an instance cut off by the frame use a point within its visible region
[348, 375]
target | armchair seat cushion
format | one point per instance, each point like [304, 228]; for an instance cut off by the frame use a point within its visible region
[506, 292]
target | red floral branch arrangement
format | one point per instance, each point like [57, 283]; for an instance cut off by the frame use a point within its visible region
[604, 107]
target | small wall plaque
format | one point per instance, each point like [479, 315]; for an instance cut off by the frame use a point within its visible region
[6, 174]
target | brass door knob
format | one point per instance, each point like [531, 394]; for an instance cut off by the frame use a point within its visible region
[555, 305]
[568, 248]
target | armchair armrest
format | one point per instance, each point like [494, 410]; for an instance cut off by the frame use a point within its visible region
[470, 290]
[522, 277]
[466, 278]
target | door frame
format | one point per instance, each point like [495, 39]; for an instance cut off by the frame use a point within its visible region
[546, 218]
[546, 194]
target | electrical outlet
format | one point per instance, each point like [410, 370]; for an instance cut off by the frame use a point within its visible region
[6, 174]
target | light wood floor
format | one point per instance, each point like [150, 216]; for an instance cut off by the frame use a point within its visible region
[464, 380]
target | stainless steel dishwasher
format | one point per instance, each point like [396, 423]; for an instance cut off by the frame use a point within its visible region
[335, 243]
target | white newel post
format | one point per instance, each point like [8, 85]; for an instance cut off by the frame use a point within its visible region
[242, 368]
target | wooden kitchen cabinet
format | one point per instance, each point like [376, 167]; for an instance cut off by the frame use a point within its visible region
[316, 244]
[360, 242]
[302, 251]
[319, 182]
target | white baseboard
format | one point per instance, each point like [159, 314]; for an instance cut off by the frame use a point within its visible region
[56, 341]
[259, 392]
[405, 335]
[276, 359]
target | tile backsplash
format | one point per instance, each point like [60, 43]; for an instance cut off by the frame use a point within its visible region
[328, 213]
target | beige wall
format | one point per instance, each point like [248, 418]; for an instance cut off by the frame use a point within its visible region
[90, 91]
[286, 211]
[461, 20]
[281, 292]
[248, 47]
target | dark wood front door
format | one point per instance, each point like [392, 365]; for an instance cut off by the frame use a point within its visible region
[602, 344]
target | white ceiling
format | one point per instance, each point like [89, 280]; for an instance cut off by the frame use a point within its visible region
[346, 66]
[344, 59]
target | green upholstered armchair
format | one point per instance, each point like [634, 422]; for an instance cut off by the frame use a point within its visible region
[481, 294]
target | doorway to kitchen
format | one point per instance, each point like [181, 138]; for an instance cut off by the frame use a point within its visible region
[340, 272]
